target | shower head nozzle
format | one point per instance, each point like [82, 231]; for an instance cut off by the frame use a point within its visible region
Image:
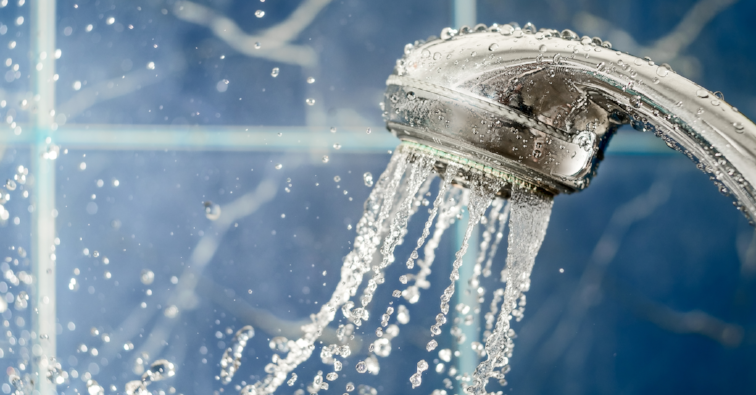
[505, 102]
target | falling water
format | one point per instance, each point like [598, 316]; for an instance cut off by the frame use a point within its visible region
[527, 228]
[357, 263]
[158, 371]
[450, 207]
[398, 194]
[231, 359]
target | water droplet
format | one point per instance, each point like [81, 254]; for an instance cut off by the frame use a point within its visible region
[259, 13]
[542, 48]
[310, 80]
[150, 66]
[326, 159]
[332, 376]
[92, 387]
[738, 127]
[493, 47]
[702, 93]
[279, 343]
[447, 33]
[136, 387]
[310, 101]
[222, 85]
[372, 365]
[431, 345]
[171, 311]
[437, 56]
[279, 166]
[147, 277]
[426, 53]
[445, 355]
[337, 178]
[274, 72]
[402, 314]
[506, 30]
[257, 45]
[368, 131]
[662, 70]
[368, 179]
[336, 146]
[349, 387]
[11, 185]
[416, 380]
[212, 210]
[333, 130]
[361, 367]
[422, 365]
[382, 347]
[159, 370]
[715, 102]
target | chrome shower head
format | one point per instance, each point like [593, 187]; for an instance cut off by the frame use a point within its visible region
[538, 108]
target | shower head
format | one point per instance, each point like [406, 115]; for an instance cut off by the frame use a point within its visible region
[538, 109]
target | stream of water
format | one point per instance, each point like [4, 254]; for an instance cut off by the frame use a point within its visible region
[398, 194]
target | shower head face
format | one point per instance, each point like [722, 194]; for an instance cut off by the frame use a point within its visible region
[495, 100]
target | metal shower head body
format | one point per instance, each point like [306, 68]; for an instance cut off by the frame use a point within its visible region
[538, 108]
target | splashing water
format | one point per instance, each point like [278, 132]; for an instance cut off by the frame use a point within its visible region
[528, 223]
[397, 195]
[450, 207]
[482, 193]
[231, 359]
[17, 383]
[497, 216]
[136, 387]
[93, 388]
[159, 370]
[356, 265]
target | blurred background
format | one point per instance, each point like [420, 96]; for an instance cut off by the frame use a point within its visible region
[205, 162]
